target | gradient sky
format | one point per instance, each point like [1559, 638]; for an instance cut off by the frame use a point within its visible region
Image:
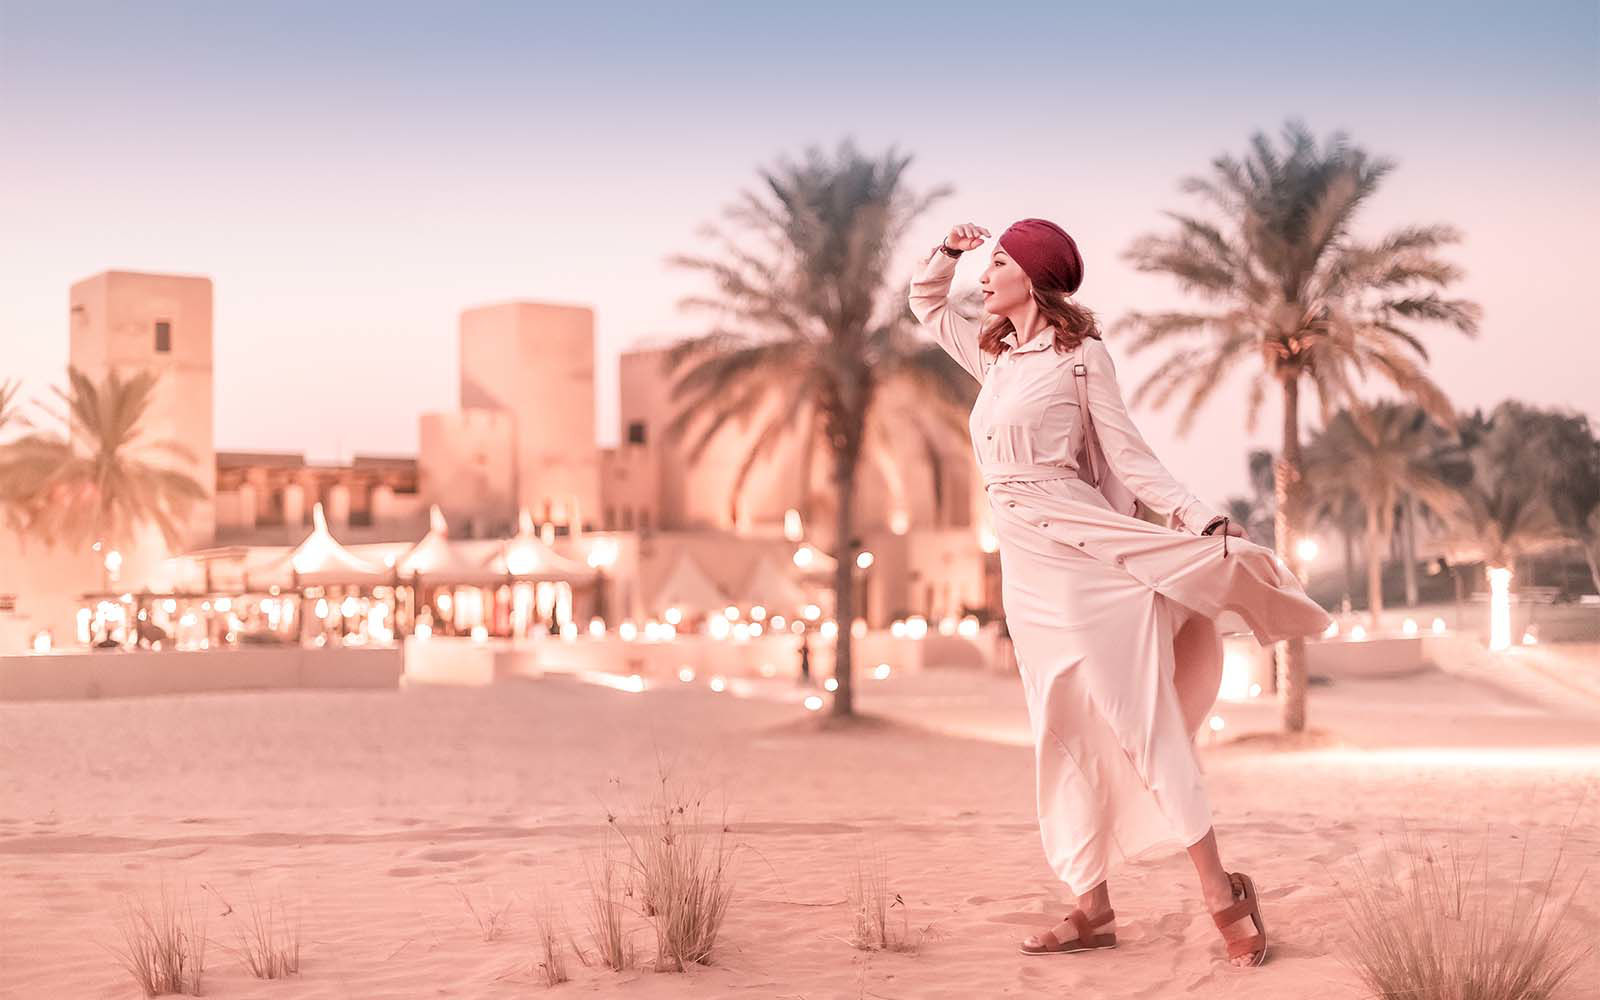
[353, 175]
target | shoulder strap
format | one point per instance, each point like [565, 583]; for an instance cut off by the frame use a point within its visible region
[1080, 376]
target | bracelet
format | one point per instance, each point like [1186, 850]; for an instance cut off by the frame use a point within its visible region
[948, 252]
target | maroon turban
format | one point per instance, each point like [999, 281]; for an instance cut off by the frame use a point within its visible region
[1046, 254]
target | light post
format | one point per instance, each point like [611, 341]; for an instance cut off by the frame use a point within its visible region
[864, 561]
[602, 553]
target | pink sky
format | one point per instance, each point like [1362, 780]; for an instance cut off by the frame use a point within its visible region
[348, 217]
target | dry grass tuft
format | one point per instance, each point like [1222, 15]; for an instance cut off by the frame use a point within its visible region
[268, 945]
[164, 944]
[869, 901]
[549, 927]
[683, 865]
[605, 913]
[1427, 926]
[492, 919]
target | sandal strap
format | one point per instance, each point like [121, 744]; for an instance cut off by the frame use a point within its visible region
[1080, 923]
[1234, 913]
[1048, 941]
[1246, 946]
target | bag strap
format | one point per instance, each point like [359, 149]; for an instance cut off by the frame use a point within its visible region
[1080, 377]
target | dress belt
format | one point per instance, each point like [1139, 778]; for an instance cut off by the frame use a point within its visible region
[1021, 472]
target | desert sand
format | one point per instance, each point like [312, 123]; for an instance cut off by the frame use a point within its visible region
[371, 813]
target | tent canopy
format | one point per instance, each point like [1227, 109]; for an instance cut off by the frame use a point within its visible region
[438, 560]
[527, 557]
[688, 588]
[770, 586]
[320, 560]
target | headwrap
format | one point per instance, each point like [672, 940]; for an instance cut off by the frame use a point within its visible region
[1046, 254]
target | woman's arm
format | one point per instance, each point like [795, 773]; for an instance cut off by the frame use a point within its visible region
[1130, 456]
[930, 304]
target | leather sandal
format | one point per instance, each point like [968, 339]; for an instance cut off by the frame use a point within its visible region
[1246, 904]
[1086, 940]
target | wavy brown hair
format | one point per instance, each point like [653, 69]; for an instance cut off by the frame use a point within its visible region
[1072, 323]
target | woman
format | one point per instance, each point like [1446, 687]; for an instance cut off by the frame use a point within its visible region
[1111, 616]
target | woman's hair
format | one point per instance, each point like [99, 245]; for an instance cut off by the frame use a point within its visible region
[1072, 323]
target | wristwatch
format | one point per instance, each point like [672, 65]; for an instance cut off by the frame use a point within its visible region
[948, 252]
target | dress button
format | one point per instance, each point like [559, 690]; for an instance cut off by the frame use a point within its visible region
[1044, 524]
[1012, 504]
[1080, 543]
[1119, 560]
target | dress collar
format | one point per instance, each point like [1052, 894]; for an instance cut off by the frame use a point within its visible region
[1041, 340]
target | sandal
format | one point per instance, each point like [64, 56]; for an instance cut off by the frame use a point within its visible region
[1246, 904]
[1086, 940]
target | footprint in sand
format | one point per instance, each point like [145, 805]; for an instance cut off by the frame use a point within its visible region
[1017, 918]
[447, 854]
[405, 872]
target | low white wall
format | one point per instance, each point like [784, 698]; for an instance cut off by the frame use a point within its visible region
[764, 656]
[1384, 656]
[121, 674]
[462, 661]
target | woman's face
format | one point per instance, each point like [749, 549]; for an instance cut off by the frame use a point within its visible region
[1005, 286]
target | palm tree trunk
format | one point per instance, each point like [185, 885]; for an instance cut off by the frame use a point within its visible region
[844, 612]
[1349, 557]
[1374, 566]
[1288, 487]
[1591, 553]
[1408, 539]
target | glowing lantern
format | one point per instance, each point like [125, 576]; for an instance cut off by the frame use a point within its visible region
[1499, 607]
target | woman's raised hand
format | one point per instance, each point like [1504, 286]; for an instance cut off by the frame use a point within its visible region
[966, 236]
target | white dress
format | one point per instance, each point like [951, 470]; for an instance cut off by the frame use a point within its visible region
[1094, 598]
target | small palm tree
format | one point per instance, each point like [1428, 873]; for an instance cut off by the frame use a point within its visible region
[1503, 511]
[1295, 297]
[10, 417]
[1572, 479]
[813, 335]
[100, 481]
[1381, 454]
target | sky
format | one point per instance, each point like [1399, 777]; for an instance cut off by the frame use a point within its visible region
[352, 176]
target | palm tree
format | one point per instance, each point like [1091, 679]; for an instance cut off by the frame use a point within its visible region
[1291, 288]
[812, 335]
[1381, 454]
[10, 416]
[99, 482]
[1572, 479]
[1503, 510]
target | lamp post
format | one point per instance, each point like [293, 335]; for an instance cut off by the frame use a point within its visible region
[602, 553]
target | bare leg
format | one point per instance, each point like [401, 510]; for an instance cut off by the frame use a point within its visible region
[1093, 903]
[1217, 890]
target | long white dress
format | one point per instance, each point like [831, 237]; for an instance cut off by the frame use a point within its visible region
[1095, 600]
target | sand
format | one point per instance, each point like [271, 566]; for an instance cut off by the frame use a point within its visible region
[371, 813]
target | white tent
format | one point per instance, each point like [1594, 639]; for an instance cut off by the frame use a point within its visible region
[438, 560]
[772, 587]
[527, 557]
[688, 588]
[321, 560]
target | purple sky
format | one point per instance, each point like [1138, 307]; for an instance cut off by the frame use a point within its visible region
[352, 180]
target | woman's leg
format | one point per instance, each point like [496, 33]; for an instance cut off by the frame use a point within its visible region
[1217, 889]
